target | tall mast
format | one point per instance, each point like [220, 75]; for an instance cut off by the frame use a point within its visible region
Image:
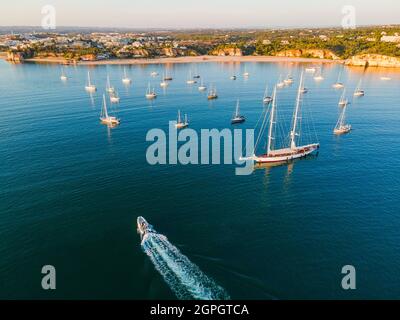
[342, 116]
[237, 108]
[179, 116]
[296, 115]
[271, 123]
[105, 106]
[88, 74]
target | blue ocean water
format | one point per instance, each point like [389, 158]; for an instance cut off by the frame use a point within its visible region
[71, 188]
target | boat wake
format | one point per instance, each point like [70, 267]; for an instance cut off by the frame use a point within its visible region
[184, 278]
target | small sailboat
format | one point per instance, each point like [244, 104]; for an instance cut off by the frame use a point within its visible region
[303, 90]
[89, 86]
[237, 118]
[246, 74]
[105, 118]
[190, 80]
[267, 99]
[343, 100]
[150, 93]
[181, 124]
[114, 97]
[196, 75]
[126, 79]
[293, 151]
[154, 73]
[202, 86]
[311, 70]
[109, 88]
[338, 84]
[63, 77]
[386, 78]
[212, 94]
[233, 77]
[280, 83]
[164, 83]
[359, 92]
[288, 81]
[167, 77]
[319, 76]
[341, 127]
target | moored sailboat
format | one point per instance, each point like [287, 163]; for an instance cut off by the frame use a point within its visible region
[202, 86]
[63, 77]
[105, 118]
[150, 93]
[109, 88]
[267, 98]
[190, 79]
[212, 94]
[181, 124]
[341, 127]
[338, 84]
[237, 118]
[359, 92]
[89, 86]
[343, 100]
[293, 151]
[126, 79]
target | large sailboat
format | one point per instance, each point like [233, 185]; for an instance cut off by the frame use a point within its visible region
[105, 118]
[89, 86]
[293, 151]
[341, 127]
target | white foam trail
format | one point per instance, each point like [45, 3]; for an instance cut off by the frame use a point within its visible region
[184, 278]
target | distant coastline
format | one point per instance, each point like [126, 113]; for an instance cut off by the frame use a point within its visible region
[186, 59]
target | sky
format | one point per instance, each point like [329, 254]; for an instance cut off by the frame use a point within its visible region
[199, 13]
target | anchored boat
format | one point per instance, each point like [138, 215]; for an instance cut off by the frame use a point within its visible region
[237, 118]
[89, 86]
[341, 127]
[105, 118]
[293, 151]
[181, 124]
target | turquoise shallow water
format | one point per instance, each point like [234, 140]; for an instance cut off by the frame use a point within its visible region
[71, 189]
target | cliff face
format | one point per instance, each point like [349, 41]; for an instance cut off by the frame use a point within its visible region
[169, 52]
[315, 53]
[374, 60]
[17, 57]
[233, 52]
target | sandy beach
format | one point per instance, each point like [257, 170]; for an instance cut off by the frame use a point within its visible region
[197, 59]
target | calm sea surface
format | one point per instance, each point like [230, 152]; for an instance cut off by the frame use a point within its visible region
[71, 189]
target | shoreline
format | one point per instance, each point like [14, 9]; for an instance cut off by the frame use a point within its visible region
[188, 59]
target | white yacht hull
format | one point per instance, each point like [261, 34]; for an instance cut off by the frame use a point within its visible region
[284, 155]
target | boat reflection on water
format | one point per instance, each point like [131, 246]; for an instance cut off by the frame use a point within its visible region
[269, 167]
